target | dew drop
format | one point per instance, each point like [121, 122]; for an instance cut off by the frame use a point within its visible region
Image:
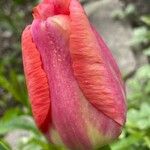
[59, 60]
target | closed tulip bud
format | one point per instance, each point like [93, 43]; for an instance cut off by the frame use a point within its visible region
[74, 84]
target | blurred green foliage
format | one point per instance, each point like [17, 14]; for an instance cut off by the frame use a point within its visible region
[15, 111]
[136, 134]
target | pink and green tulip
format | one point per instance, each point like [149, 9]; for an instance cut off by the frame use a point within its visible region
[75, 86]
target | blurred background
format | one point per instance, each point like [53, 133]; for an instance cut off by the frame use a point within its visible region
[125, 26]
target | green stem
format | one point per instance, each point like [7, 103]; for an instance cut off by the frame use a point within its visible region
[106, 147]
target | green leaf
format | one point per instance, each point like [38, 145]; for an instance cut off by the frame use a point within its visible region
[16, 86]
[140, 35]
[139, 119]
[39, 142]
[147, 141]
[143, 72]
[19, 122]
[130, 9]
[147, 52]
[19, 1]
[146, 20]
[3, 146]
[126, 143]
[10, 114]
[36, 143]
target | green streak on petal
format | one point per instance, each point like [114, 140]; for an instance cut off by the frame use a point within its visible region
[56, 139]
[96, 138]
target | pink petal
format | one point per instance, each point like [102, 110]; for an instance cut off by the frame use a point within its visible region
[79, 124]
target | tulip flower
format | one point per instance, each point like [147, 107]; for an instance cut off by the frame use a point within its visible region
[74, 84]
